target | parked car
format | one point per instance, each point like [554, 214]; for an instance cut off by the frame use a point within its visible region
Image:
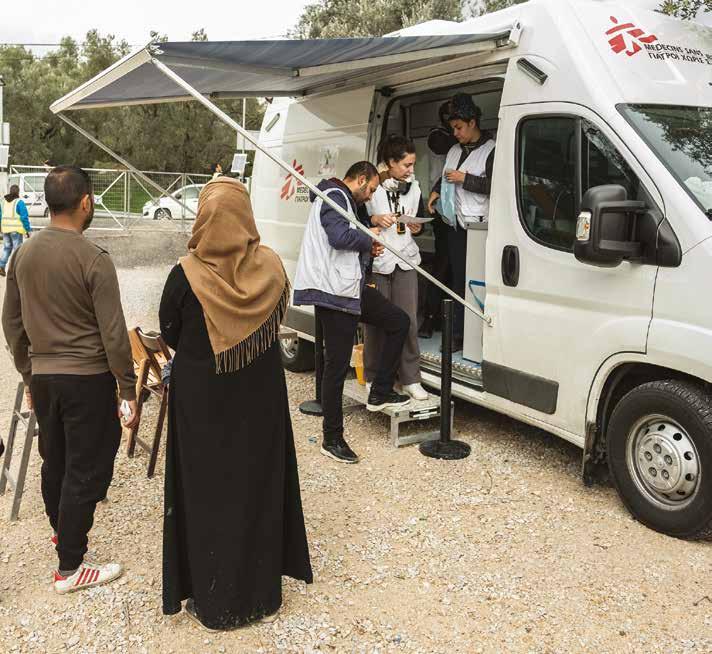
[169, 207]
[31, 191]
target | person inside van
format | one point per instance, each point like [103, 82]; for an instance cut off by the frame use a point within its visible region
[398, 196]
[331, 277]
[464, 191]
[15, 224]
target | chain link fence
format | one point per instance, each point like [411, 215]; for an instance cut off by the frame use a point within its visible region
[123, 200]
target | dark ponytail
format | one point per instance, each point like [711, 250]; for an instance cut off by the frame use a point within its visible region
[394, 147]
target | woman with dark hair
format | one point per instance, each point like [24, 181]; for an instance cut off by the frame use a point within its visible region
[468, 168]
[233, 522]
[397, 198]
[15, 224]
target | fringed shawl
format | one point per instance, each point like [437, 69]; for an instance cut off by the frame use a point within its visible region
[240, 284]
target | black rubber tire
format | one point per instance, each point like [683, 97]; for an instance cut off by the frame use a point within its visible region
[300, 361]
[162, 213]
[691, 406]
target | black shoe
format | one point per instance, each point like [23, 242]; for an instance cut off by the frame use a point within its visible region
[426, 329]
[456, 345]
[392, 400]
[340, 452]
[2, 447]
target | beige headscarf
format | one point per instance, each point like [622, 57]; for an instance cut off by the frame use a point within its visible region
[240, 284]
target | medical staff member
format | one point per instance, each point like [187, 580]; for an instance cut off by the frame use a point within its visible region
[468, 167]
[398, 193]
[15, 224]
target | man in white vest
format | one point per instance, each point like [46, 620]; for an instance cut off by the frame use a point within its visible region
[468, 167]
[331, 277]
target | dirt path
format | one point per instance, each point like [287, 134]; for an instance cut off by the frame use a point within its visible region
[506, 551]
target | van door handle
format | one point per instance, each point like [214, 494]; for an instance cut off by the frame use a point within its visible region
[510, 265]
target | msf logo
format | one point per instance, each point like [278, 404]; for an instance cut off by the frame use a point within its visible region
[291, 183]
[626, 37]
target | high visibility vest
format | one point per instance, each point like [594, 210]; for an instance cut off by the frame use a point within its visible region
[11, 222]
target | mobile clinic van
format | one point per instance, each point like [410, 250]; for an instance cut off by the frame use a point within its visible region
[597, 325]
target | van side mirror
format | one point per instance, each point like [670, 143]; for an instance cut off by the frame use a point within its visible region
[606, 231]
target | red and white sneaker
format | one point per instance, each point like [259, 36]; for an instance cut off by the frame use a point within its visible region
[87, 576]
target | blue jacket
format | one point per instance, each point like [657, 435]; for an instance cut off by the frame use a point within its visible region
[341, 236]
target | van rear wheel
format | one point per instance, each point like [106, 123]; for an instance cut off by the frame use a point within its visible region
[660, 457]
[297, 354]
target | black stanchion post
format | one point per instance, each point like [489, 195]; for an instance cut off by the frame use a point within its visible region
[445, 447]
[313, 407]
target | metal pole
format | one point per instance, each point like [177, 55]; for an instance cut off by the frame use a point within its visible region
[445, 447]
[121, 160]
[313, 407]
[298, 176]
[3, 171]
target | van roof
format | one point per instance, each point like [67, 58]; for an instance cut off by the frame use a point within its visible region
[594, 53]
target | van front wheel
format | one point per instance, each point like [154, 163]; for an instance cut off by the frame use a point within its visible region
[297, 354]
[660, 457]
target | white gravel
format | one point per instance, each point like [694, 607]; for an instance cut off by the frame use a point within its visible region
[505, 551]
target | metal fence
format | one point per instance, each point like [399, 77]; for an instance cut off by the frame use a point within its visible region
[123, 201]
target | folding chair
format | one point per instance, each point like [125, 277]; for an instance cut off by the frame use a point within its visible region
[150, 355]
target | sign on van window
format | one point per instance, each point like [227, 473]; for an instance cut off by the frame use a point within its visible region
[629, 39]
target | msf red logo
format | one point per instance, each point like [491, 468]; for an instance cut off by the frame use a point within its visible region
[291, 183]
[626, 37]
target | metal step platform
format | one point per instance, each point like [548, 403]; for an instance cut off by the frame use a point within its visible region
[415, 411]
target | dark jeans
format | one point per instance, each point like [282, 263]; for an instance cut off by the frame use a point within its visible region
[339, 330]
[457, 249]
[79, 437]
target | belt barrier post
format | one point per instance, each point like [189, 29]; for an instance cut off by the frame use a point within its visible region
[313, 407]
[445, 447]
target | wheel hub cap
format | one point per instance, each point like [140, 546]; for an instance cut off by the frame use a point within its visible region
[664, 461]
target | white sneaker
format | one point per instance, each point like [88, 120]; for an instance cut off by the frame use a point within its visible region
[416, 391]
[87, 575]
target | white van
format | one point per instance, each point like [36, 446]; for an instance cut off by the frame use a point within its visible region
[598, 255]
[603, 123]
[31, 191]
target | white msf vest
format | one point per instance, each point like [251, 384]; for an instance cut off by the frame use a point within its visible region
[403, 243]
[470, 207]
[321, 267]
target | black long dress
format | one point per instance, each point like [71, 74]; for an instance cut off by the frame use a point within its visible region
[233, 522]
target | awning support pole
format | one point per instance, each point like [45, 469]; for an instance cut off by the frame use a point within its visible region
[298, 176]
[121, 160]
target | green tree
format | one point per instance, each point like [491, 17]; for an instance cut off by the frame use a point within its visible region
[171, 137]
[686, 9]
[355, 18]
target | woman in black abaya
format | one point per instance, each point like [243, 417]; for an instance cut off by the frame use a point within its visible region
[233, 522]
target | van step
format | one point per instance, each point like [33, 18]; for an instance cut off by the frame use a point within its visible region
[414, 411]
[468, 370]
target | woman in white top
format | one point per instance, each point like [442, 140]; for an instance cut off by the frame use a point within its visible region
[399, 193]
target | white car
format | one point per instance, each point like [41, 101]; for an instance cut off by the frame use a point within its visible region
[170, 207]
[31, 191]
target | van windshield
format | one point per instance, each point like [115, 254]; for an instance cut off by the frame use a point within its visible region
[681, 137]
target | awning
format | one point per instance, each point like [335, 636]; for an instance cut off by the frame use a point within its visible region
[234, 69]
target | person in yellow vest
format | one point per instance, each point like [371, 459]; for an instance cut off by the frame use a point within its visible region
[15, 224]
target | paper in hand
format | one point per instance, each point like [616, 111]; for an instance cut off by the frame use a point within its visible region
[415, 220]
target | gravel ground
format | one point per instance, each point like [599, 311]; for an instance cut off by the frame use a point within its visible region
[505, 551]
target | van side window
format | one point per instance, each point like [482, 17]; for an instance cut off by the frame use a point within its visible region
[547, 179]
[550, 165]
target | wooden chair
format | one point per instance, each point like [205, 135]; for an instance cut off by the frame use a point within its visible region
[150, 355]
